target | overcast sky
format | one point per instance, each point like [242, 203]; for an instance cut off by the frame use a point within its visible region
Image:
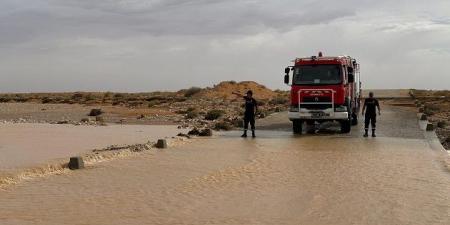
[145, 45]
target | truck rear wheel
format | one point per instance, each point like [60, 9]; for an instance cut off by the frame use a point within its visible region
[297, 126]
[346, 126]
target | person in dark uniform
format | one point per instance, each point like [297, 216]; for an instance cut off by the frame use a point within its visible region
[369, 111]
[251, 107]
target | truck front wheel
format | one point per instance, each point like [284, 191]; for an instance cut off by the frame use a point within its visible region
[297, 126]
[346, 126]
[354, 119]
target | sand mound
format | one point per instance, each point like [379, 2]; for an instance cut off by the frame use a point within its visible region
[225, 90]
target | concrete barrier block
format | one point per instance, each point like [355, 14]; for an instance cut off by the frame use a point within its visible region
[76, 163]
[423, 117]
[430, 127]
[162, 143]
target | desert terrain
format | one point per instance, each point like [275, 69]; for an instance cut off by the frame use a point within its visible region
[323, 177]
[213, 107]
[436, 105]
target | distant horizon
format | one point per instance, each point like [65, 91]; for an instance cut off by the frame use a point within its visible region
[287, 88]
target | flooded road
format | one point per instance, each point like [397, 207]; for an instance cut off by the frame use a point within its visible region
[26, 144]
[277, 178]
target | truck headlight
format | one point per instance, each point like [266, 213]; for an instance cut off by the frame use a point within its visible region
[341, 109]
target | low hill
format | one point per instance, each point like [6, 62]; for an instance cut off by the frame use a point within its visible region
[224, 90]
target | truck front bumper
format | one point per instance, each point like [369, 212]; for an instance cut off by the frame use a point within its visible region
[318, 115]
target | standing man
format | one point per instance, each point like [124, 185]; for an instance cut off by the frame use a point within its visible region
[371, 104]
[251, 107]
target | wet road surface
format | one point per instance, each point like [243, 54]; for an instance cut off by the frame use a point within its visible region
[27, 144]
[277, 178]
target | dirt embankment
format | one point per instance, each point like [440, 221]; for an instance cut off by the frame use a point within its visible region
[213, 107]
[436, 105]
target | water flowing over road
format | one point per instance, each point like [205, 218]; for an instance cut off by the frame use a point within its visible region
[277, 178]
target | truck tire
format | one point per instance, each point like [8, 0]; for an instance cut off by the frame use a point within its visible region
[346, 126]
[354, 119]
[297, 126]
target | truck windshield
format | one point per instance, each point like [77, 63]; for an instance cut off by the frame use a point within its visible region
[317, 74]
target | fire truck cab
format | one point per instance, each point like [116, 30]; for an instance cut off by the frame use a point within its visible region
[324, 88]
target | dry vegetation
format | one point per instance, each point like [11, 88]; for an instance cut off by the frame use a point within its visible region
[437, 107]
[214, 107]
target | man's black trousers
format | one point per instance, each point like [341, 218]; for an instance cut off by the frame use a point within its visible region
[249, 119]
[370, 118]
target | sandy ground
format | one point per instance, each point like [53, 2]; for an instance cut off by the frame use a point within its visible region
[53, 113]
[277, 178]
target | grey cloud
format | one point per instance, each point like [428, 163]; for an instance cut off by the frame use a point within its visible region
[139, 45]
[112, 19]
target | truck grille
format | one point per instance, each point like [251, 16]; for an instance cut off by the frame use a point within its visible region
[316, 106]
[316, 99]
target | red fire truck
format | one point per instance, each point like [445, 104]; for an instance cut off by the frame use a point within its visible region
[324, 88]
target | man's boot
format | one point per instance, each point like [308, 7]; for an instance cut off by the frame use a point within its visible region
[366, 133]
[245, 134]
[253, 134]
[373, 133]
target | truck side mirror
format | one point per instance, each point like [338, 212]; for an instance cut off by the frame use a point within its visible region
[286, 79]
[287, 70]
[351, 78]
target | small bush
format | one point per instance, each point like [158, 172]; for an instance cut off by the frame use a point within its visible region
[153, 103]
[181, 112]
[194, 132]
[77, 96]
[427, 111]
[223, 126]
[95, 112]
[279, 100]
[89, 97]
[214, 114]
[442, 124]
[191, 114]
[99, 119]
[119, 95]
[192, 91]
[261, 103]
[5, 99]
[46, 100]
[155, 98]
[190, 109]
[205, 133]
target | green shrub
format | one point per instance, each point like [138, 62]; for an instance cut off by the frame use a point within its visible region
[153, 103]
[427, 111]
[279, 100]
[214, 114]
[191, 114]
[95, 112]
[192, 91]
[46, 100]
[442, 124]
[5, 99]
[238, 122]
[89, 97]
[77, 96]
[223, 126]
[119, 95]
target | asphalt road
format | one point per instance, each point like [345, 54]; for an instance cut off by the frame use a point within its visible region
[277, 178]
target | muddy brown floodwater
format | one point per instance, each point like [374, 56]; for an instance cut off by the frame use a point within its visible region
[27, 144]
[277, 178]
